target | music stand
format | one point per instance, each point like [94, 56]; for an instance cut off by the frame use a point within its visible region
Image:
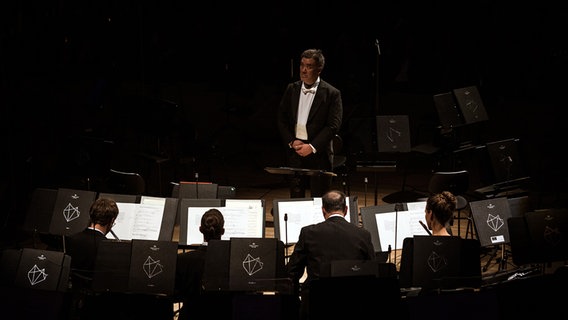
[440, 262]
[490, 218]
[297, 173]
[151, 219]
[393, 136]
[43, 270]
[471, 104]
[539, 236]
[137, 266]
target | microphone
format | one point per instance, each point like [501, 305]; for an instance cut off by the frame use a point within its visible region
[425, 227]
[378, 47]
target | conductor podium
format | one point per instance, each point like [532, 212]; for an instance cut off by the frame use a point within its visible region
[296, 190]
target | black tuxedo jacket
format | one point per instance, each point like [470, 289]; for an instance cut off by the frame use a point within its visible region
[321, 243]
[324, 119]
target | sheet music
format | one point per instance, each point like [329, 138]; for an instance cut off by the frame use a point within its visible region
[153, 200]
[253, 217]
[243, 219]
[138, 221]
[301, 213]
[406, 224]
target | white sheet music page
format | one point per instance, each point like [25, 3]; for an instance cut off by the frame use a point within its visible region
[406, 224]
[252, 226]
[300, 213]
[243, 219]
[138, 221]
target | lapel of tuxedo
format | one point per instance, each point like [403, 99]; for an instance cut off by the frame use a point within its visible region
[316, 104]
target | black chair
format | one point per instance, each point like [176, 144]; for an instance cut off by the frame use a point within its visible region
[457, 182]
[121, 182]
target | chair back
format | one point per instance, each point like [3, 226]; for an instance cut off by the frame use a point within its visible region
[126, 183]
[457, 182]
[338, 159]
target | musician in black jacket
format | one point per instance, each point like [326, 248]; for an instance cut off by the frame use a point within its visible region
[333, 239]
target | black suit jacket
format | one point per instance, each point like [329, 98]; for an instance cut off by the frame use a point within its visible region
[82, 247]
[189, 274]
[324, 119]
[321, 243]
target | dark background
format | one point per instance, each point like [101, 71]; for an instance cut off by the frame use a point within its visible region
[90, 85]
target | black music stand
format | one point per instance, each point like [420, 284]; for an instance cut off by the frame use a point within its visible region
[539, 236]
[490, 217]
[137, 266]
[34, 283]
[393, 136]
[54, 214]
[297, 173]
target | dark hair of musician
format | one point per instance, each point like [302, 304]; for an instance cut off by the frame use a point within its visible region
[103, 212]
[442, 205]
[212, 225]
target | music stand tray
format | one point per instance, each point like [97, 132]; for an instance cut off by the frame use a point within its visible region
[298, 171]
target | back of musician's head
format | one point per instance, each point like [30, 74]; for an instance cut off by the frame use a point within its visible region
[103, 212]
[443, 205]
[334, 201]
[212, 225]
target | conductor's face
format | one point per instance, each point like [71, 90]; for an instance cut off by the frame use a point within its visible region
[309, 71]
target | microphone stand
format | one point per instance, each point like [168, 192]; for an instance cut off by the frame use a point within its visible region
[197, 185]
[397, 207]
[366, 181]
[377, 79]
[286, 234]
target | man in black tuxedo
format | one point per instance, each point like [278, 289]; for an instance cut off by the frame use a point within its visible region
[309, 117]
[333, 239]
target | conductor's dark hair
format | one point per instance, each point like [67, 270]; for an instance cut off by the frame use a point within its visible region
[315, 54]
[103, 211]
